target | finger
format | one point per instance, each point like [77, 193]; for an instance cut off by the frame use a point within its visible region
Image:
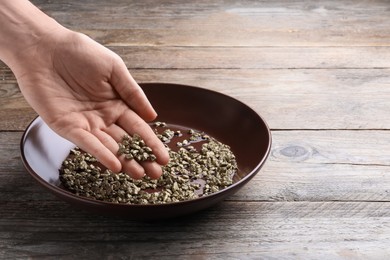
[133, 124]
[152, 169]
[130, 167]
[130, 91]
[93, 145]
[135, 170]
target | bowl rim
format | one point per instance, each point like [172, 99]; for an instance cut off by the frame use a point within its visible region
[60, 191]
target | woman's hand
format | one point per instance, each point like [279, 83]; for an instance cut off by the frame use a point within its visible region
[85, 93]
[81, 89]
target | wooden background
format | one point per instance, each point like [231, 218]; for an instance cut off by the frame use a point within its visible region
[317, 71]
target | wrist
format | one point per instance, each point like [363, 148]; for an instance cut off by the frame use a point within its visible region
[24, 28]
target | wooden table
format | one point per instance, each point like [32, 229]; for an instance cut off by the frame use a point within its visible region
[319, 73]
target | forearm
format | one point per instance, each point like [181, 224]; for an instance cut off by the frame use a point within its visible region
[23, 26]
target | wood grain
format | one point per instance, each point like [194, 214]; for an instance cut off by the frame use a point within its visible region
[231, 230]
[303, 166]
[35, 224]
[254, 58]
[318, 72]
[247, 58]
[227, 23]
[324, 166]
[15, 113]
[287, 99]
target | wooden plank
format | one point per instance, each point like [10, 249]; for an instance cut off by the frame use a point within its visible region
[324, 166]
[34, 224]
[254, 58]
[297, 99]
[15, 113]
[15, 183]
[231, 230]
[303, 166]
[146, 57]
[287, 99]
[227, 23]
[282, 181]
[355, 148]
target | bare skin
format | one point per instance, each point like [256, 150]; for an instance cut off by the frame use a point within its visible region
[82, 90]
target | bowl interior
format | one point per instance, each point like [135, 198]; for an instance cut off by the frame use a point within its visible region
[218, 115]
[223, 117]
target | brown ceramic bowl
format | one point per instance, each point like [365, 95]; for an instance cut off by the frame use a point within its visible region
[218, 115]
